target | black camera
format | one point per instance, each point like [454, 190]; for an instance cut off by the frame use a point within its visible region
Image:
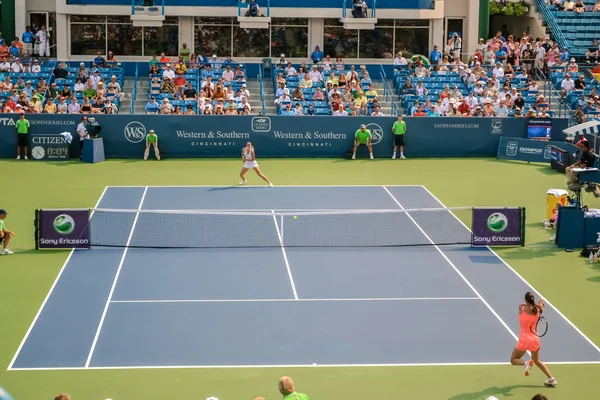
[93, 128]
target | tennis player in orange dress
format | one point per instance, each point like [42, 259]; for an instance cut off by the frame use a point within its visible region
[529, 314]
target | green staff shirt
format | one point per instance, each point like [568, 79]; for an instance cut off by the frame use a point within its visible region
[184, 54]
[22, 126]
[1, 225]
[362, 137]
[399, 127]
[152, 138]
[296, 396]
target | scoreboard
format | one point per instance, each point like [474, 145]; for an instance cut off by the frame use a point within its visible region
[47, 147]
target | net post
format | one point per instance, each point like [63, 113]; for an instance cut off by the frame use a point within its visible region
[36, 226]
[523, 220]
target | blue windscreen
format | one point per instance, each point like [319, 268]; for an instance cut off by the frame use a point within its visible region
[412, 4]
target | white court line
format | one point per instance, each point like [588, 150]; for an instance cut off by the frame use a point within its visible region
[454, 267]
[287, 264]
[114, 284]
[49, 292]
[294, 300]
[459, 364]
[522, 279]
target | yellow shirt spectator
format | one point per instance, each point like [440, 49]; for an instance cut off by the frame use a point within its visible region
[50, 107]
[360, 100]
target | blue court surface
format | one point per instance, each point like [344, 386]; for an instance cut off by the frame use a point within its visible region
[279, 306]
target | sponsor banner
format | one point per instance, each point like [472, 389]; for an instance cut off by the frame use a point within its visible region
[514, 148]
[497, 227]
[275, 136]
[63, 229]
[49, 147]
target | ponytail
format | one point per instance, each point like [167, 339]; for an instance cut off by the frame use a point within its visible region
[530, 299]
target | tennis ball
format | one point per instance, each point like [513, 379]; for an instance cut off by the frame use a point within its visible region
[64, 224]
[295, 217]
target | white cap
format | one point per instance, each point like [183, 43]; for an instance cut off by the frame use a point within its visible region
[214, 56]
[491, 398]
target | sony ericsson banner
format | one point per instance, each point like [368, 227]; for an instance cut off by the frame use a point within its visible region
[63, 229]
[498, 227]
[512, 148]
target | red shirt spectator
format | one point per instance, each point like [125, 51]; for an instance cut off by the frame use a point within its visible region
[11, 103]
[419, 113]
[464, 108]
[179, 80]
[581, 140]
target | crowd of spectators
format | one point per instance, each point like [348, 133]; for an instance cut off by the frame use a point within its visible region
[499, 79]
[577, 7]
[324, 89]
[34, 87]
[197, 85]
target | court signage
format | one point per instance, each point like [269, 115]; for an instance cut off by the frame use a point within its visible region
[49, 148]
[498, 227]
[62, 229]
[512, 148]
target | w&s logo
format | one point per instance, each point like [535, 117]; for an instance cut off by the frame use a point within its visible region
[135, 132]
[376, 133]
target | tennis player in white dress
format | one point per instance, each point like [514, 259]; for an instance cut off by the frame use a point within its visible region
[249, 160]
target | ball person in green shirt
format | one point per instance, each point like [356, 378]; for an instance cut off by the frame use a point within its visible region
[287, 389]
[362, 136]
[152, 140]
[5, 234]
[399, 130]
[22, 136]
[184, 53]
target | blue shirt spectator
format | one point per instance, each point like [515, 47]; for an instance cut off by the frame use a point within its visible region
[433, 113]
[2, 41]
[27, 36]
[311, 110]
[317, 55]
[99, 60]
[501, 54]
[202, 60]
[152, 106]
[14, 50]
[228, 60]
[288, 112]
[564, 56]
[436, 56]
[207, 72]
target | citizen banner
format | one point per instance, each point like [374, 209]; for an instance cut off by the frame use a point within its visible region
[498, 227]
[62, 229]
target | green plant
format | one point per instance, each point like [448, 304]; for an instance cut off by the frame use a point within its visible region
[512, 9]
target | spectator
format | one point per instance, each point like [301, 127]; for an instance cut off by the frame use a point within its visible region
[99, 60]
[579, 83]
[60, 72]
[74, 107]
[579, 7]
[189, 110]
[419, 112]
[35, 106]
[318, 95]
[100, 90]
[315, 75]
[317, 55]
[152, 107]
[544, 114]
[180, 67]
[167, 86]
[50, 107]
[435, 56]
[421, 70]
[306, 82]
[572, 68]
[566, 86]
[297, 94]
[502, 109]
[113, 84]
[596, 6]
[27, 38]
[52, 91]
[377, 112]
[228, 74]
[166, 107]
[61, 107]
[164, 58]
[539, 397]
[239, 74]
[253, 9]
[298, 110]
[310, 110]
[184, 53]
[341, 111]
[434, 112]
[179, 81]
[290, 70]
[86, 107]
[168, 72]
[13, 50]
[288, 110]
[189, 93]
[154, 70]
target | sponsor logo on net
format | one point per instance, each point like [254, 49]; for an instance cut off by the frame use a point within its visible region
[496, 223]
[135, 132]
[64, 225]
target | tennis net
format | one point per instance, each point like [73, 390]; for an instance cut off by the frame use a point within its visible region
[246, 229]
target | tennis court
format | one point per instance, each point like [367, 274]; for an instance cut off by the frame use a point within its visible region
[281, 305]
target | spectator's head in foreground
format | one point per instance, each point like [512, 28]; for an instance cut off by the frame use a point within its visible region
[286, 385]
[63, 396]
[539, 396]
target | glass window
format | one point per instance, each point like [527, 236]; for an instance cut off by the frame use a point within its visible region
[291, 41]
[250, 42]
[161, 39]
[332, 22]
[170, 20]
[385, 22]
[377, 43]
[88, 18]
[212, 21]
[340, 42]
[125, 40]
[88, 39]
[412, 22]
[412, 41]
[119, 19]
[290, 21]
[213, 40]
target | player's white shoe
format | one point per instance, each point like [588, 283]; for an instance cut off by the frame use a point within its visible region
[6, 252]
[26, 157]
[18, 157]
[354, 157]
[393, 157]
[371, 157]
[528, 366]
[551, 382]
[243, 182]
[402, 157]
[270, 184]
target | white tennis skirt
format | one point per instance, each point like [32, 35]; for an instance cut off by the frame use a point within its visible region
[250, 164]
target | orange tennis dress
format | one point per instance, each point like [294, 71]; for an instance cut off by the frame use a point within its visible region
[528, 341]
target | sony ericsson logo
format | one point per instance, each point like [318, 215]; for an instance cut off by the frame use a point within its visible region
[135, 132]
[261, 124]
[497, 222]
[63, 224]
[376, 133]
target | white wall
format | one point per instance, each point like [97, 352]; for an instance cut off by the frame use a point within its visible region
[41, 5]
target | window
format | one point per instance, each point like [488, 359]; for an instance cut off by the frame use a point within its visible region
[116, 33]
[251, 42]
[88, 39]
[388, 37]
[213, 39]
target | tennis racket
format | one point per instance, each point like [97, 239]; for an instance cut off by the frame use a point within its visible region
[541, 326]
